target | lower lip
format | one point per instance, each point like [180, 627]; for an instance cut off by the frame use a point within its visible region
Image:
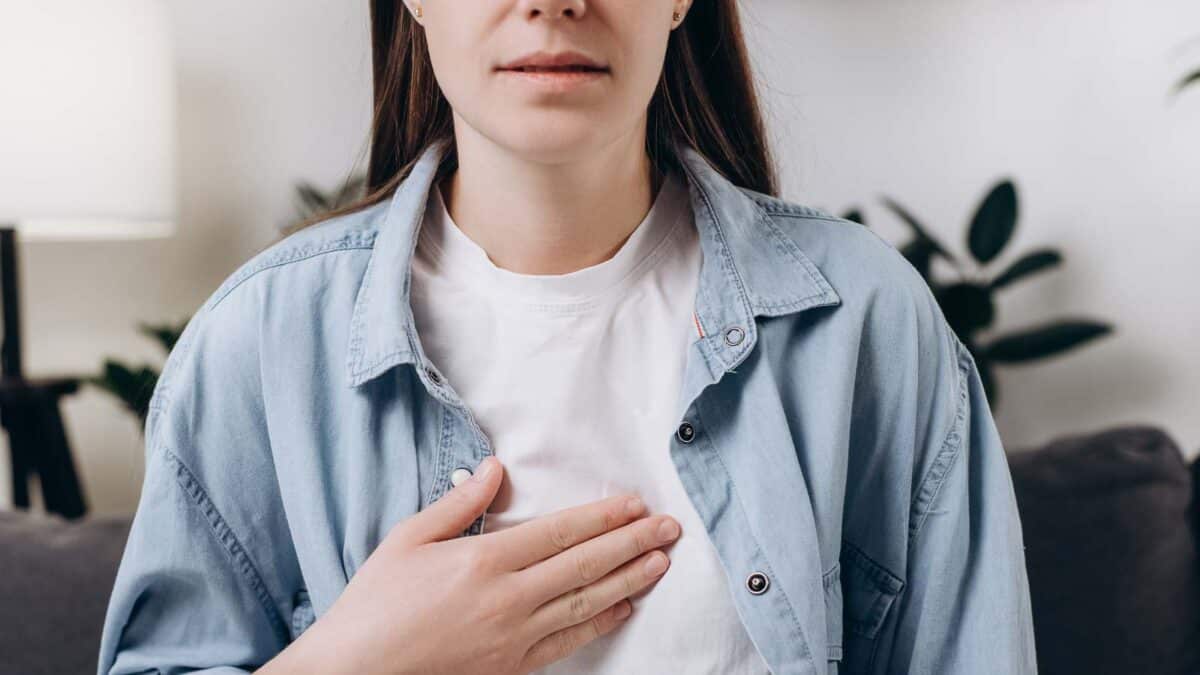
[555, 80]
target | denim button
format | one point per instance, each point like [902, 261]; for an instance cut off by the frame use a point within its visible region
[757, 583]
[734, 336]
[433, 375]
[460, 474]
[685, 433]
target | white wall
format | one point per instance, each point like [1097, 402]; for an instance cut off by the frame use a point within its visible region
[269, 93]
[928, 102]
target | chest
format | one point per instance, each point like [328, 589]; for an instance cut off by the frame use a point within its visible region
[738, 468]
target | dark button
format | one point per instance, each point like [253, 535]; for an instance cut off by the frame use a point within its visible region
[757, 583]
[685, 433]
[734, 336]
[433, 375]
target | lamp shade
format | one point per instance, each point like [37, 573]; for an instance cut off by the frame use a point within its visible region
[87, 119]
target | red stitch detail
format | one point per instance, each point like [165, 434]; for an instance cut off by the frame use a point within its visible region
[699, 328]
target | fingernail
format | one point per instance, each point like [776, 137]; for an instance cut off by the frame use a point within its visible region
[668, 530]
[623, 610]
[484, 469]
[657, 563]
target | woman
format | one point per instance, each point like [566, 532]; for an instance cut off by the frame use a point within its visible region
[587, 275]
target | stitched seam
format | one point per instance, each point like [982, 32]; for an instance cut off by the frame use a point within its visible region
[796, 253]
[807, 216]
[951, 448]
[833, 575]
[757, 548]
[712, 216]
[885, 582]
[161, 396]
[439, 486]
[789, 303]
[298, 255]
[769, 201]
[354, 355]
[229, 541]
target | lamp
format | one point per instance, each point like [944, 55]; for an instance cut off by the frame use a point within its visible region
[87, 152]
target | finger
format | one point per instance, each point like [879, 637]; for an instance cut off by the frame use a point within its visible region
[537, 539]
[563, 643]
[586, 563]
[454, 512]
[580, 604]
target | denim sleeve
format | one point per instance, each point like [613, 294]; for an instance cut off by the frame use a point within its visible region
[186, 597]
[966, 606]
[207, 572]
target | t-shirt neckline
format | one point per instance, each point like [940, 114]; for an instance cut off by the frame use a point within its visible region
[459, 258]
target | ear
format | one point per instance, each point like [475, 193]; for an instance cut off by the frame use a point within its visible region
[414, 8]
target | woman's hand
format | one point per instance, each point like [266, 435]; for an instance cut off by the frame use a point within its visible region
[499, 603]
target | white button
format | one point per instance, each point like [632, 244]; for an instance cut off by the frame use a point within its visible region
[460, 474]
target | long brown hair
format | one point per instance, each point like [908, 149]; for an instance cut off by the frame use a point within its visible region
[705, 98]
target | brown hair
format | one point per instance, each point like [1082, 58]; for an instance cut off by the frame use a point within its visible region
[705, 98]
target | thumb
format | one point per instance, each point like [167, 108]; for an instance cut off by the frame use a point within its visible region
[457, 509]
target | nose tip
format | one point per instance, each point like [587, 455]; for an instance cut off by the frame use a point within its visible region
[554, 9]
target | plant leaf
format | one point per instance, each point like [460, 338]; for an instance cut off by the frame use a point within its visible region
[1026, 265]
[919, 253]
[312, 199]
[166, 334]
[855, 215]
[994, 222]
[1043, 341]
[967, 307]
[916, 227]
[1187, 81]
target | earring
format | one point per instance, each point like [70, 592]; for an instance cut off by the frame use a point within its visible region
[418, 11]
[676, 16]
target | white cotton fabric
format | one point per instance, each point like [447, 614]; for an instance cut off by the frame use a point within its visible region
[575, 378]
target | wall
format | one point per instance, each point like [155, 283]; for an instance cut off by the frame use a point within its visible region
[927, 102]
[269, 93]
[931, 102]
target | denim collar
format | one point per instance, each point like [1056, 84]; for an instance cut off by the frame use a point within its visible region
[749, 268]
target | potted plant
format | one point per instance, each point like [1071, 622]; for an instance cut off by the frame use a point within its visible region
[968, 301]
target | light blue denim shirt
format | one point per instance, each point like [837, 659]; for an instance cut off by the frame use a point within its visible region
[841, 452]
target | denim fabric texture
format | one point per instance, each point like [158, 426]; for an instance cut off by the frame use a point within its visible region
[841, 448]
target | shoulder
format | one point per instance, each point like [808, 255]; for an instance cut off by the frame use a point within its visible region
[299, 254]
[288, 282]
[888, 316]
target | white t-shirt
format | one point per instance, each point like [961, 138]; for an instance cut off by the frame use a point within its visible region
[575, 379]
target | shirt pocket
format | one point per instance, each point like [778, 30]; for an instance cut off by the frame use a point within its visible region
[869, 591]
[302, 613]
[832, 582]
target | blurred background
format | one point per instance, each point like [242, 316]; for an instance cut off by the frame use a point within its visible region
[1038, 161]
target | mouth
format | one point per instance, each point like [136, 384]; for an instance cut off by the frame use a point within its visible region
[554, 80]
[569, 62]
[555, 69]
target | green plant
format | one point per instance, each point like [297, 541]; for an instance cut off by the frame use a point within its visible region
[311, 201]
[968, 302]
[134, 385]
[1188, 80]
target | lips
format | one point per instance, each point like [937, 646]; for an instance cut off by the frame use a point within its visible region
[556, 69]
[568, 61]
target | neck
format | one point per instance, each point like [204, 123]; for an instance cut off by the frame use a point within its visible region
[538, 216]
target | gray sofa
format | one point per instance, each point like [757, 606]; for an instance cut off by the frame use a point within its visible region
[1111, 523]
[55, 578]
